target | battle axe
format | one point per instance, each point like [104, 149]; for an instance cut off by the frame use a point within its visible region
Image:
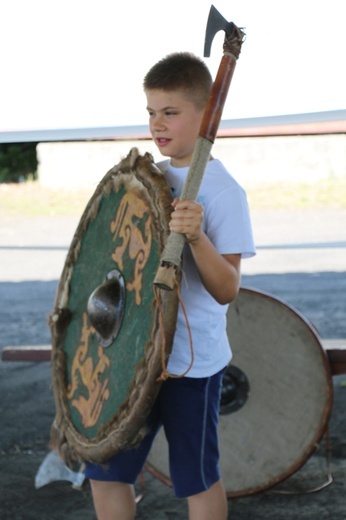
[171, 258]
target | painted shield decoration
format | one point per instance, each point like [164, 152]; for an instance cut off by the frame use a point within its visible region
[108, 325]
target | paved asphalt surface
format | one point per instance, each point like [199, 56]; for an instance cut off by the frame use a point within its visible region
[301, 259]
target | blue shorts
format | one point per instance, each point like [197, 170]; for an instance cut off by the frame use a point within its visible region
[188, 409]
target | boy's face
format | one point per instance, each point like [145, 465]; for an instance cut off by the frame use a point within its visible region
[174, 124]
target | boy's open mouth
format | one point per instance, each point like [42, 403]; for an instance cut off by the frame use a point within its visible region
[162, 141]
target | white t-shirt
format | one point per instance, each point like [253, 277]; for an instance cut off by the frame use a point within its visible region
[227, 224]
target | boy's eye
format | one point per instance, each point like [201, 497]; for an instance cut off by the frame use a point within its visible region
[170, 113]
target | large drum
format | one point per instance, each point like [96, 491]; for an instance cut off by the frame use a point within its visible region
[276, 398]
[110, 331]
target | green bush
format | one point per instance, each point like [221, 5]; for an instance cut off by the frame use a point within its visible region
[18, 162]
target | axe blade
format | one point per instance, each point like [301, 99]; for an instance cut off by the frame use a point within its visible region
[53, 468]
[216, 22]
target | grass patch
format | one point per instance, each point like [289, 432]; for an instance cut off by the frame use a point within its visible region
[325, 193]
[31, 199]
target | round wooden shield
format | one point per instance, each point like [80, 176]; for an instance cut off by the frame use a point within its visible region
[108, 327]
[276, 397]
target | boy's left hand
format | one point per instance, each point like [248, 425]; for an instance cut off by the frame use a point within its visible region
[187, 219]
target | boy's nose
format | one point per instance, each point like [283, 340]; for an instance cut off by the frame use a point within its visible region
[158, 123]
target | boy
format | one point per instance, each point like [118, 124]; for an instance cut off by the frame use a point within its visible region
[218, 233]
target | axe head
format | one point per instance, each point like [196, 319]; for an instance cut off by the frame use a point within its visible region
[216, 22]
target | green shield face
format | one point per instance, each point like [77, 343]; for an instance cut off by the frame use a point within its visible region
[108, 351]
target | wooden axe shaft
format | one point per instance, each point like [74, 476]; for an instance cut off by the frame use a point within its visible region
[171, 257]
[213, 112]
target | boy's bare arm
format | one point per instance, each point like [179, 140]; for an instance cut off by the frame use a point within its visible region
[220, 274]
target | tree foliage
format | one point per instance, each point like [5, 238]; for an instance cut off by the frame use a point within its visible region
[18, 162]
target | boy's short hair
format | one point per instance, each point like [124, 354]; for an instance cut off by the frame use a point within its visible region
[184, 72]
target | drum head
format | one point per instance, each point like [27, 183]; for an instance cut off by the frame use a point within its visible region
[276, 399]
[107, 341]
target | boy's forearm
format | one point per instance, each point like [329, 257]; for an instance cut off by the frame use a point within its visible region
[220, 274]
